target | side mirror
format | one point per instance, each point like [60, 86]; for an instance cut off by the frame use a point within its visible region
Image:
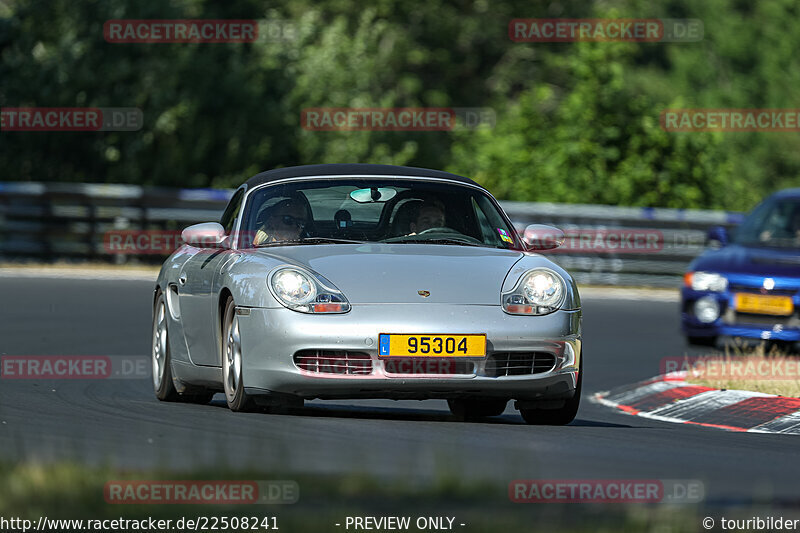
[205, 235]
[542, 237]
[717, 235]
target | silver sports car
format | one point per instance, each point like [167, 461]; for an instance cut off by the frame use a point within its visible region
[368, 281]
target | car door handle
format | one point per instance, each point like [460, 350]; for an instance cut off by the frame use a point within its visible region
[182, 279]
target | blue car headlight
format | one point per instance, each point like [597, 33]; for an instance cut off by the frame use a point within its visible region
[705, 281]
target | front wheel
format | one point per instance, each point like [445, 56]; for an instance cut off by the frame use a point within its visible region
[162, 371]
[237, 398]
[556, 417]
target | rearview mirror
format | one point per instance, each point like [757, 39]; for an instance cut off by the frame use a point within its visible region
[717, 236]
[373, 194]
[543, 237]
[205, 235]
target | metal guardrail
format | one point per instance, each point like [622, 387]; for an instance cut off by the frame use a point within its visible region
[681, 233]
[68, 221]
[49, 221]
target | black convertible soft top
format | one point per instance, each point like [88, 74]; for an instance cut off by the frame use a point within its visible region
[350, 169]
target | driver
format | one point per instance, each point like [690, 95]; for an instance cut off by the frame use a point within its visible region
[790, 230]
[284, 221]
[429, 215]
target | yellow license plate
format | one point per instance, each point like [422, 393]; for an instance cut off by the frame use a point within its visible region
[763, 304]
[402, 345]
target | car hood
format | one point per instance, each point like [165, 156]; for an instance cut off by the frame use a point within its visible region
[740, 259]
[395, 273]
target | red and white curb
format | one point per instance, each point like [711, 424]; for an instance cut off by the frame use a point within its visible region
[670, 398]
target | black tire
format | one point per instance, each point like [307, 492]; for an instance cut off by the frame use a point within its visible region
[238, 400]
[163, 385]
[557, 417]
[476, 408]
[200, 398]
[701, 341]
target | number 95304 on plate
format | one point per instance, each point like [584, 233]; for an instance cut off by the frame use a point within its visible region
[403, 345]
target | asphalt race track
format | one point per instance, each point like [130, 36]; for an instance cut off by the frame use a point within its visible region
[121, 422]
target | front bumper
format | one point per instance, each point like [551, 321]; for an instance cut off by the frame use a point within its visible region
[734, 324]
[271, 338]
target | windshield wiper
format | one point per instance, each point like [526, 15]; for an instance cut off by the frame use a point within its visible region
[309, 240]
[274, 243]
[457, 242]
[329, 240]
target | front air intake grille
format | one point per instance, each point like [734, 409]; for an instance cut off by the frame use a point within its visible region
[519, 363]
[746, 319]
[407, 366]
[334, 362]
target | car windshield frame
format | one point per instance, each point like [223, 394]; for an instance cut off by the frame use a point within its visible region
[242, 243]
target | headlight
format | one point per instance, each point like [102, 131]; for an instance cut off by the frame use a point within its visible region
[705, 281]
[539, 292]
[293, 287]
[301, 291]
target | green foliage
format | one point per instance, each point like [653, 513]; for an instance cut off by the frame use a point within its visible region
[576, 122]
[594, 140]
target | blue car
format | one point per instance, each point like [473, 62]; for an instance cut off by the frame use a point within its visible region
[749, 286]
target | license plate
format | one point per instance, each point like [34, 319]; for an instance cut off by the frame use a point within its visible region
[763, 304]
[403, 345]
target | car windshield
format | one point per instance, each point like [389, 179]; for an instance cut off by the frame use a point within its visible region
[399, 211]
[775, 223]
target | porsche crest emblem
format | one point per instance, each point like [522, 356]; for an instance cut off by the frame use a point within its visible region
[424, 294]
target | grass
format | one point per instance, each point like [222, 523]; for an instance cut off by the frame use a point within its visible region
[770, 370]
[70, 491]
